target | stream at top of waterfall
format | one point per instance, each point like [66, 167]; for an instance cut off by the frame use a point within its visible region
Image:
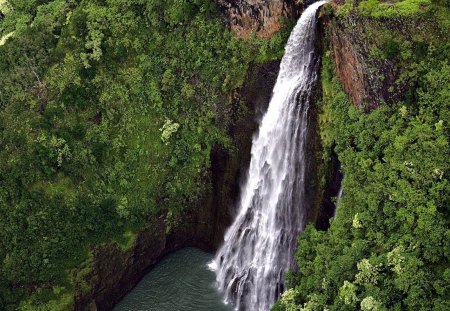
[180, 282]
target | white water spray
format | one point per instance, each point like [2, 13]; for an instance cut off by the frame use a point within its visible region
[259, 246]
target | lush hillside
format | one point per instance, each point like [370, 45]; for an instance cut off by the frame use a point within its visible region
[389, 246]
[109, 110]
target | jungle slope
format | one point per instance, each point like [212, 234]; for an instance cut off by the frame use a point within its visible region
[112, 116]
[386, 114]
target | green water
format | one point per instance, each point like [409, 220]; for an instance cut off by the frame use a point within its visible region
[181, 281]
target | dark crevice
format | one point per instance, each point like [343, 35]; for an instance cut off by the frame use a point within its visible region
[331, 192]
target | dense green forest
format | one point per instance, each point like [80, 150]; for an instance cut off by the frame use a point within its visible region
[108, 113]
[109, 110]
[389, 246]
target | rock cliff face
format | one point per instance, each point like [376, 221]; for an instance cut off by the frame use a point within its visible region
[115, 271]
[360, 48]
[263, 17]
[368, 79]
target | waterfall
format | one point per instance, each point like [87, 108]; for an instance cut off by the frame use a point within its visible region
[338, 198]
[259, 246]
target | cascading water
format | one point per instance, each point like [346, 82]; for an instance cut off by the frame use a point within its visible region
[259, 246]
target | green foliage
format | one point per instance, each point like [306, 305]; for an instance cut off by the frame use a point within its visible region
[57, 299]
[388, 247]
[404, 8]
[398, 9]
[391, 49]
[5, 7]
[108, 114]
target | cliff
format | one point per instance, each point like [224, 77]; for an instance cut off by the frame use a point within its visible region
[113, 271]
[369, 81]
[262, 17]
[374, 48]
[385, 97]
[149, 109]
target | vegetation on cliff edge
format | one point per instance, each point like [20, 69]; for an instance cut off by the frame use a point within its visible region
[109, 110]
[389, 246]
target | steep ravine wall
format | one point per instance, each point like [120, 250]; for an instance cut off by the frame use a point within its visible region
[314, 163]
[368, 79]
[261, 17]
[328, 175]
[115, 271]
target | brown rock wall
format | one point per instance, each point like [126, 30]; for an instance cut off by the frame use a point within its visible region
[262, 17]
[368, 78]
[349, 68]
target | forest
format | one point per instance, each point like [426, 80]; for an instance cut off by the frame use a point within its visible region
[388, 247]
[108, 113]
[110, 109]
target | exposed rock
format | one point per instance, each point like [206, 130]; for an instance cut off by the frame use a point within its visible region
[368, 81]
[115, 271]
[349, 68]
[263, 17]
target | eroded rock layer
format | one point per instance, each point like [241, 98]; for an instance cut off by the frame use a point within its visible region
[263, 17]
